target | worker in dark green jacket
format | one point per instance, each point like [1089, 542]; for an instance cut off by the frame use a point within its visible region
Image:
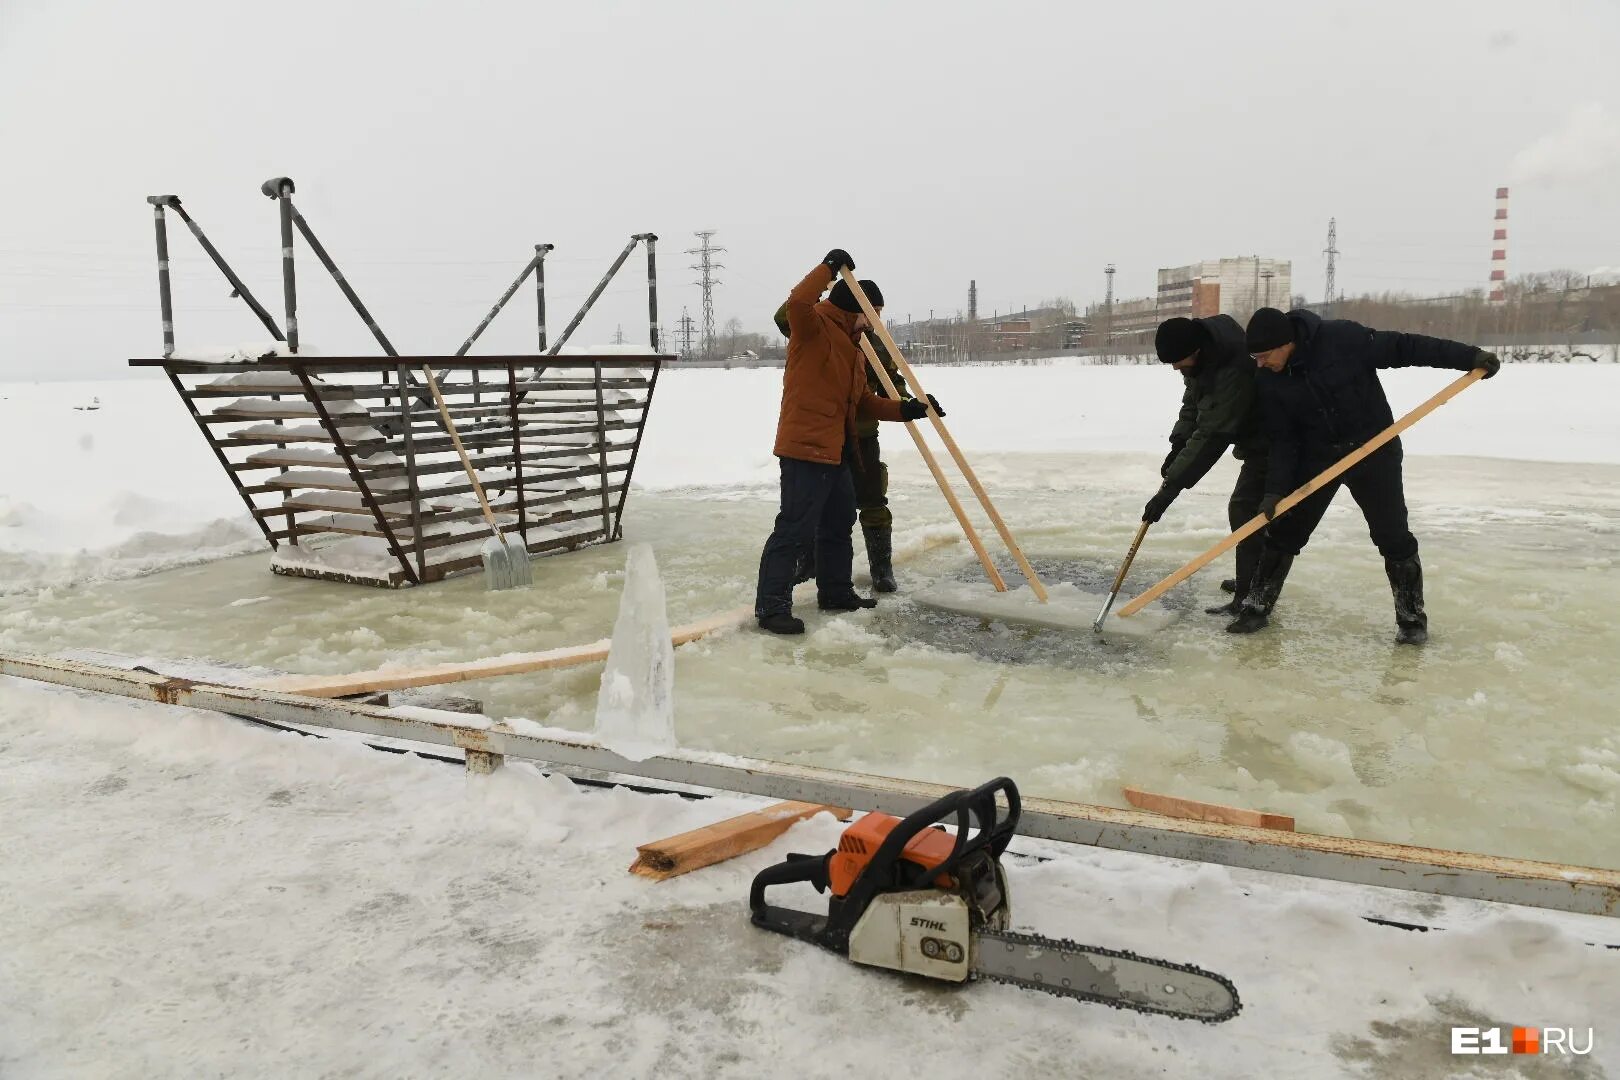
[1219, 409]
[871, 475]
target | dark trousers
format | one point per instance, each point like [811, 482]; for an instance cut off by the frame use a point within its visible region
[1375, 484]
[817, 509]
[871, 478]
[1243, 505]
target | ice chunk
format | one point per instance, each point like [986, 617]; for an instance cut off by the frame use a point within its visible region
[635, 709]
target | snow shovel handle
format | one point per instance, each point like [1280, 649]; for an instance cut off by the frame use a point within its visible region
[968, 474]
[1119, 578]
[1304, 491]
[466, 463]
[938, 473]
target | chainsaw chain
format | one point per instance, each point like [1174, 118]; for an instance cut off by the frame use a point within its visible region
[1065, 945]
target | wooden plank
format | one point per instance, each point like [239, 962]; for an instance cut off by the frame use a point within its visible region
[688, 851]
[1500, 879]
[1193, 810]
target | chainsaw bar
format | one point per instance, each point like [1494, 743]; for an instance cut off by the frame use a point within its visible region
[1112, 977]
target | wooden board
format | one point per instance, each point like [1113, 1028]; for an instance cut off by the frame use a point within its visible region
[1192, 809]
[724, 840]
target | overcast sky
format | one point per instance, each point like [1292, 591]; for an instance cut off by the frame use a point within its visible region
[1022, 144]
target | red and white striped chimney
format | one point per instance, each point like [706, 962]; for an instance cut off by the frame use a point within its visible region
[1498, 290]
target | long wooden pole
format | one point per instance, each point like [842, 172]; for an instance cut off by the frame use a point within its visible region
[945, 436]
[1304, 491]
[455, 439]
[1119, 578]
[939, 474]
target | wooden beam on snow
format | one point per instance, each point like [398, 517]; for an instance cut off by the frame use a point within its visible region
[724, 840]
[1193, 810]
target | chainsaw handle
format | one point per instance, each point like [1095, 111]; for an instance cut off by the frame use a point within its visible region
[811, 868]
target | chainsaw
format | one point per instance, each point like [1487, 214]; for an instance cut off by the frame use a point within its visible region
[911, 896]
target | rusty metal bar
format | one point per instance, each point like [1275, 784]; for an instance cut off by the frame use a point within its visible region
[165, 294]
[579, 316]
[601, 451]
[499, 304]
[411, 476]
[238, 288]
[652, 289]
[337, 275]
[359, 478]
[279, 188]
[517, 453]
[635, 448]
[225, 462]
[540, 253]
[1584, 890]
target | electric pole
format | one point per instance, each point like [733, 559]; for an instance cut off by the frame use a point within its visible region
[685, 331]
[706, 266]
[1331, 251]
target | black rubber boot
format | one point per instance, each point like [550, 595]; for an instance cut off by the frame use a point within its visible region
[1231, 607]
[782, 623]
[852, 602]
[1229, 585]
[880, 556]
[1406, 583]
[1269, 576]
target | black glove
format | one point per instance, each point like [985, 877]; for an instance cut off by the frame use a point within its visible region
[1176, 446]
[1268, 505]
[913, 409]
[838, 258]
[1156, 506]
[1489, 361]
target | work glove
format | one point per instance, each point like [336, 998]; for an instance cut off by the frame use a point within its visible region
[838, 258]
[1489, 361]
[1156, 506]
[1268, 505]
[913, 409]
[1176, 446]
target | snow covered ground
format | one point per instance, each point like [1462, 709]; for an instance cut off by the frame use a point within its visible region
[189, 896]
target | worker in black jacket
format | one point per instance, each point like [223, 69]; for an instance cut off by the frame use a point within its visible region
[1320, 398]
[1218, 410]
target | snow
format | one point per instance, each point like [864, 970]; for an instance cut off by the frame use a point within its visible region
[635, 709]
[212, 898]
[208, 897]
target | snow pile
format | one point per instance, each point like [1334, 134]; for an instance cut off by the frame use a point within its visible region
[635, 708]
[211, 898]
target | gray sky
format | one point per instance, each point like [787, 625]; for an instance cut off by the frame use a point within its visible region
[1022, 144]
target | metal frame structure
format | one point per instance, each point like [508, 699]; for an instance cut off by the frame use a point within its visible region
[526, 414]
[1427, 870]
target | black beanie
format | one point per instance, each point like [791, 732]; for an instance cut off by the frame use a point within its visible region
[1177, 339]
[843, 298]
[1268, 329]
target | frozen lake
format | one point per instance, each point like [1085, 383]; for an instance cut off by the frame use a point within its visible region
[1499, 736]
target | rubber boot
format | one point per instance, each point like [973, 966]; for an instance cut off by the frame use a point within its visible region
[880, 556]
[1406, 583]
[1269, 576]
[1229, 585]
[1248, 557]
[782, 623]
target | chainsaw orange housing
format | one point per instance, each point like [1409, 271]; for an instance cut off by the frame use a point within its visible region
[861, 841]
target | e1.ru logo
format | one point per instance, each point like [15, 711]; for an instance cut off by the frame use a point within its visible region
[1524, 1040]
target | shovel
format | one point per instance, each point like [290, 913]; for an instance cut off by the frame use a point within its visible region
[1119, 579]
[506, 565]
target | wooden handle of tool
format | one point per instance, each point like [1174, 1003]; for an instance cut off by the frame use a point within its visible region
[945, 436]
[1130, 557]
[939, 474]
[466, 463]
[1316, 483]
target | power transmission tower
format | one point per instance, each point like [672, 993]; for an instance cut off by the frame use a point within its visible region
[1331, 251]
[618, 337]
[685, 332]
[706, 266]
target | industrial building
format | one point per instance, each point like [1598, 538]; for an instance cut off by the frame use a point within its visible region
[1237, 287]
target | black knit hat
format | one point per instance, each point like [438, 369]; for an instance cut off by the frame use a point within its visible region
[843, 298]
[1268, 329]
[1177, 339]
